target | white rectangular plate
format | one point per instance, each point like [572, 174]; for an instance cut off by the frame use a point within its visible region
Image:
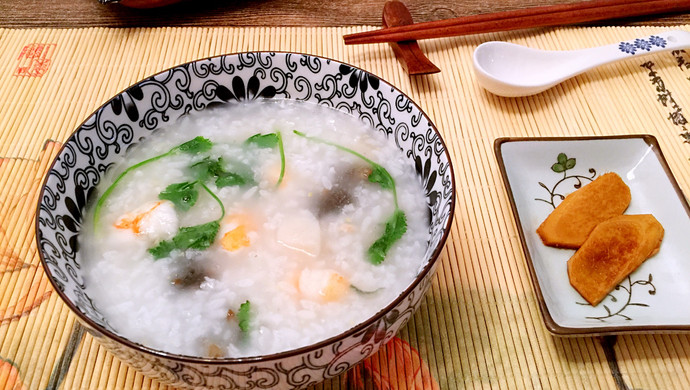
[654, 297]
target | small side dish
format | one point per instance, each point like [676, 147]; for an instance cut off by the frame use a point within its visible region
[539, 173]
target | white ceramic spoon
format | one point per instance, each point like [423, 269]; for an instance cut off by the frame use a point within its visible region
[507, 69]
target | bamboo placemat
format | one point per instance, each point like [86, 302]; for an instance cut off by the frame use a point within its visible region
[479, 326]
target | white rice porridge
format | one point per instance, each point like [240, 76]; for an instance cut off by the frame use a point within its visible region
[295, 246]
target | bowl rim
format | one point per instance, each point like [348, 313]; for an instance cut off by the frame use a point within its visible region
[421, 275]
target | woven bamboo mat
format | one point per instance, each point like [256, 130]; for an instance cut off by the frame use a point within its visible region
[479, 326]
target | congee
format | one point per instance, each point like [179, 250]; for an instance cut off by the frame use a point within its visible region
[253, 228]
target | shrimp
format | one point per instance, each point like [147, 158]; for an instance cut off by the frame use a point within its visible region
[235, 233]
[153, 221]
[322, 284]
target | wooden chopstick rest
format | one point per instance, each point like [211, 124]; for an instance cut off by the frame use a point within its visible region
[411, 57]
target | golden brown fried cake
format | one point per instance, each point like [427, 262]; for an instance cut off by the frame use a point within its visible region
[615, 248]
[571, 222]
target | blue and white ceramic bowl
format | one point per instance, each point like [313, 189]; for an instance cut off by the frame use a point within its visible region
[149, 104]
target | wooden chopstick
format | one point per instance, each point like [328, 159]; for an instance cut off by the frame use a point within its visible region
[562, 14]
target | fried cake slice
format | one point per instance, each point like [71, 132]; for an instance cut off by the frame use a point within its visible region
[614, 249]
[574, 219]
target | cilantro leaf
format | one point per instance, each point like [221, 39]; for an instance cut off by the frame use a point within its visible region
[227, 179]
[396, 226]
[193, 146]
[196, 237]
[196, 145]
[191, 237]
[270, 140]
[183, 195]
[208, 168]
[281, 150]
[381, 176]
[162, 250]
[378, 173]
[243, 316]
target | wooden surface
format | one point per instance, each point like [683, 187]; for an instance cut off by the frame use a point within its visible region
[90, 13]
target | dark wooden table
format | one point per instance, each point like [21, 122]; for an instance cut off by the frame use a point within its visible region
[90, 13]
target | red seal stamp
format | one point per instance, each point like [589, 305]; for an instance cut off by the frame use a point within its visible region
[35, 59]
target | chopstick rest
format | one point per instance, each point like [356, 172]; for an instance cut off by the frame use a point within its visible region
[410, 55]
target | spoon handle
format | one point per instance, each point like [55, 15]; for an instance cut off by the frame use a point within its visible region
[663, 41]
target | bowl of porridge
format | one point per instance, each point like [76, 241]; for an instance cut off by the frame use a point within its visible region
[248, 220]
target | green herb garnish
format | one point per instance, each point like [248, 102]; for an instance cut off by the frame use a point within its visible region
[215, 197]
[183, 195]
[194, 146]
[209, 168]
[228, 179]
[162, 250]
[270, 140]
[196, 237]
[378, 173]
[281, 149]
[243, 316]
[381, 176]
[396, 226]
[191, 237]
